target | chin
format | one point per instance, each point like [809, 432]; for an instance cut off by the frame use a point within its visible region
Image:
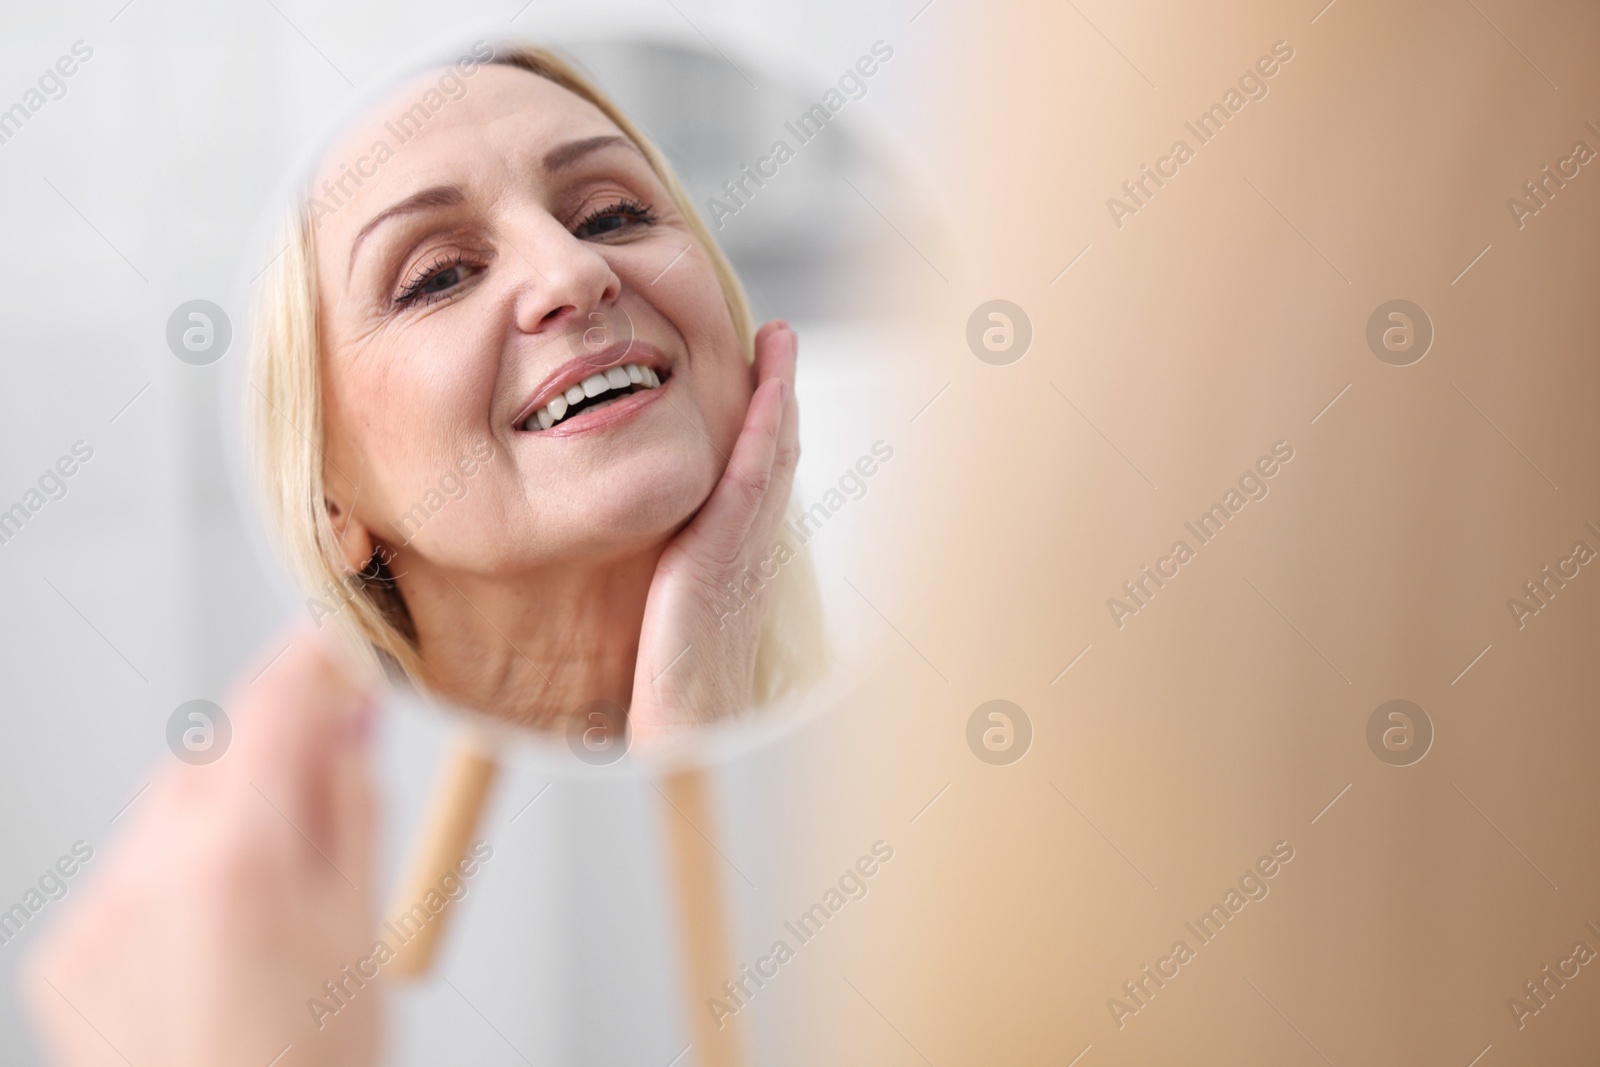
[644, 500]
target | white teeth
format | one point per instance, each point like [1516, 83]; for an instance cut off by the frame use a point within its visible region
[621, 379]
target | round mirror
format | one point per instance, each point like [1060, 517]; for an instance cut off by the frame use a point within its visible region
[531, 332]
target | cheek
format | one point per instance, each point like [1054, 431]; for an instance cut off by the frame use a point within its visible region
[727, 400]
[687, 294]
[693, 304]
[400, 414]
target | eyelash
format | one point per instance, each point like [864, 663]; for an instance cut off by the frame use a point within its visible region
[632, 211]
[636, 213]
[412, 292]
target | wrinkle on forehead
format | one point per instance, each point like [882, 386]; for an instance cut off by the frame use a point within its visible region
[517, 113]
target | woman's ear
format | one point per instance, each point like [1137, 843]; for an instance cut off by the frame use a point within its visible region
[355, 540]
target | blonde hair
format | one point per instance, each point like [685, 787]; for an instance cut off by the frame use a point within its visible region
[287, 431]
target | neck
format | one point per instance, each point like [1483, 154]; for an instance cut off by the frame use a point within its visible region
[530, 648]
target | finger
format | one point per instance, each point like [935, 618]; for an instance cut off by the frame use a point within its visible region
[352, 807]
[777, 348]
[301, 724]
[777, 351]
[718, 531]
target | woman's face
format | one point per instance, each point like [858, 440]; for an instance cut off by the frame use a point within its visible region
[497, 296]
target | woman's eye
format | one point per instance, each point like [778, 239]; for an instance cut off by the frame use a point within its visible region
[440, 281]
[435, 281]
[606, 224]
[623, 215]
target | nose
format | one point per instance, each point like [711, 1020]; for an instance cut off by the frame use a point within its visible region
[567, 281]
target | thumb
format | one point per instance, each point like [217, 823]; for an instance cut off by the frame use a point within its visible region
[303, 723]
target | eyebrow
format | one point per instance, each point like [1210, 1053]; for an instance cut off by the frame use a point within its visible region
[566, 155]
[558, 158]
[434, 196]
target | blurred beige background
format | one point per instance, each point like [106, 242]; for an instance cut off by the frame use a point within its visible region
[1226, 315]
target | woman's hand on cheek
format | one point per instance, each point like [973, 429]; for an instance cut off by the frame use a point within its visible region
[230, 896]
[697, 647]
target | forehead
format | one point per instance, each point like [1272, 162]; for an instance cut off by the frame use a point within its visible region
[443, 125]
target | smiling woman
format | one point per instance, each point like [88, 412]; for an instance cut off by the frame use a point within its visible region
[527, 280]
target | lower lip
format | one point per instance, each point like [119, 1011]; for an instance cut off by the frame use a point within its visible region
[598, 420]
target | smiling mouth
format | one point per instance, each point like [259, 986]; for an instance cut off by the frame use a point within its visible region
[598, 390]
